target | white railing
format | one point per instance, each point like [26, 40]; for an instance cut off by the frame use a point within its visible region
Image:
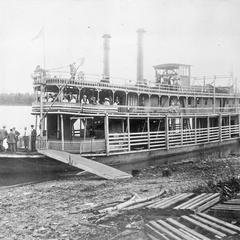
[77, 107]
[129, 142]
[74, 146]
[124, 142]
[94, 81]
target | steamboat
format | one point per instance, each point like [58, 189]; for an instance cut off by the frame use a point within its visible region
[123, 123]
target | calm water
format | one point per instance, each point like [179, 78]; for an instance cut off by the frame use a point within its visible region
[16, 116]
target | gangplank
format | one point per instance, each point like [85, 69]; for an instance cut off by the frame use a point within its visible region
[88, 165]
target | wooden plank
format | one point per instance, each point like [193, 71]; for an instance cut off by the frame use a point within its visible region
[176, 200]
[204, 226]
[227, 207]
[169, 201]
[162, 201]
[233, 202]
[154, 238]
[208, 204]
[164, 230]
[189, 202]
[204, 200]
[88, 165]
[189, 234]
[212, 224]
[174, 230]
[226, 224]
[155, 233]
[176, 223]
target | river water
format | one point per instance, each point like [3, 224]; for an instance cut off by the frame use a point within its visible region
[16, 116]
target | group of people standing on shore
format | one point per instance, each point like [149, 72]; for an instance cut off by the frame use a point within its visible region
[9, 140]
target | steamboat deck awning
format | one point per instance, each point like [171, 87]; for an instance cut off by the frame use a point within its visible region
[170, 65]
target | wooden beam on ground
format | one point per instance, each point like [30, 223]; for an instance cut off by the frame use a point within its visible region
[182, 226]
[164, 230]
[204, 226]
[214, 225]
[226, 224]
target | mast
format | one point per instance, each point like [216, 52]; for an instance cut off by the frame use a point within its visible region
[42, 81]
[41, 105]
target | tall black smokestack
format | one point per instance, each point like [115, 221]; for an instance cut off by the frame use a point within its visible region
[106, 48]
[140, 33]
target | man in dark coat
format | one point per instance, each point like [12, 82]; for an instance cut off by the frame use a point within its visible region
[16, 133]
[11, 139]
[33, 139]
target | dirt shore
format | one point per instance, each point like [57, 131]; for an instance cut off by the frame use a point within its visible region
[62, 209]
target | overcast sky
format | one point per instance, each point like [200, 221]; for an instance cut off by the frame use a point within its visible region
[203, 33]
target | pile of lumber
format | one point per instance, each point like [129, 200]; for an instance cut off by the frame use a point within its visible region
[198, 226]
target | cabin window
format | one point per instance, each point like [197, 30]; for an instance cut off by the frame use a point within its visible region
[206, 101]
[189, 101]
[198, 100]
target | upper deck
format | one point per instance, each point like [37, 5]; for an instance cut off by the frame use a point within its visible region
[149, 88]
[171, 92]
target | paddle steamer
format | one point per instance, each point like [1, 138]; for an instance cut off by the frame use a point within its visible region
[122, 123]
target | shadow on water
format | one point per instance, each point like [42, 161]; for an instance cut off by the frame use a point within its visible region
[26, 178]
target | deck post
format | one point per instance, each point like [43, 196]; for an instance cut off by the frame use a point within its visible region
[62, 132]
[181, 125]
[208, 126]
[195, 123]
[229, 120]
[58, 127]
[36, 122]
[128, 132]
[46, 122]
[148, 131]
[214, 94]
[166, 131]
[239, 124]
[106, 128]
[220, 127]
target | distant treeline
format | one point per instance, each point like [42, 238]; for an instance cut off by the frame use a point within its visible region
[16, 98]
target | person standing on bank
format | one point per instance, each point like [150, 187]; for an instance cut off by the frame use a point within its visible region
[3, 135]
[16, 133]
[33, 139]
[26, 139]
[11, 139]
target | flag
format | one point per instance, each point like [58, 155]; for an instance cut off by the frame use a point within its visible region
[39, 35]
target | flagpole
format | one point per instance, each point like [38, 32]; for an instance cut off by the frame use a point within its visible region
[43, 80]
[44, 50]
